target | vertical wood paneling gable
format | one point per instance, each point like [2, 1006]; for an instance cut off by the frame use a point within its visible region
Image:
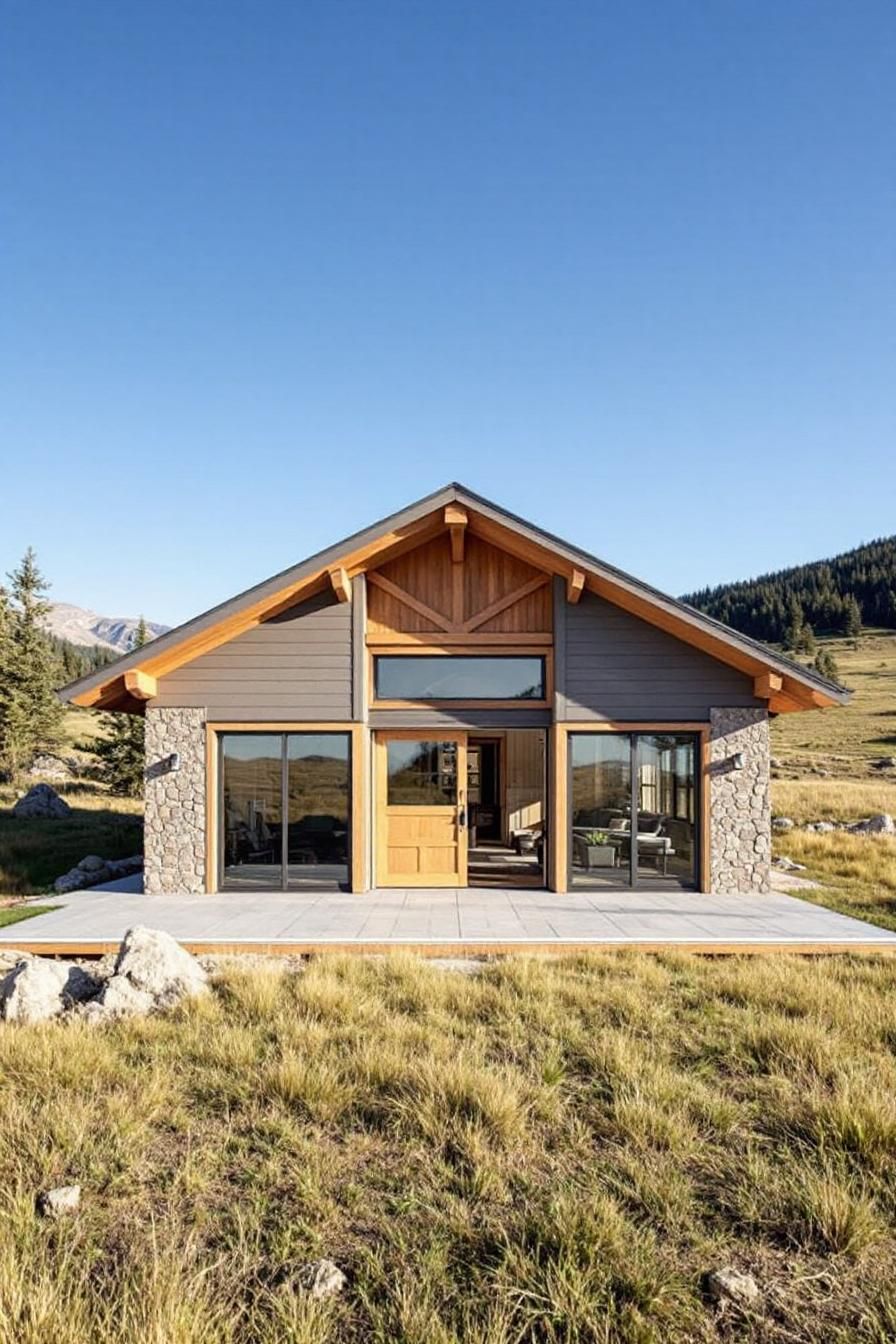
[295, 666]
[620, 667]
[457, 592]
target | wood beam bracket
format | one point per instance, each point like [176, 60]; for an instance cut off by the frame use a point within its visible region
[767, 685]
[575, 585]
[456, 521]
[140, 685]
[341, 584]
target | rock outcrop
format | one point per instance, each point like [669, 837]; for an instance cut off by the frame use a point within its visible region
[93, 871]
[152, 971]
[37, 990]
[41, 803]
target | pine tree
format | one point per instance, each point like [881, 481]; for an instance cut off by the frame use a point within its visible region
[123, 753]
[31, 715]
[825, 665]
[807, 639]
[793, 632]
[5, 661]
[852, 616]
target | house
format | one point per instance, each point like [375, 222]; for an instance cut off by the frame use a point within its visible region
[454, 697]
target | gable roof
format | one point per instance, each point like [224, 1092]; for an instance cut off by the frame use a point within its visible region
[789, 685]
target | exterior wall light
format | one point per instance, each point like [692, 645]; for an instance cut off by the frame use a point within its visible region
[173, 762]
[737, 761]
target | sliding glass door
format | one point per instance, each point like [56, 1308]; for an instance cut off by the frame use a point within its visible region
[634, 808]
[284, 811]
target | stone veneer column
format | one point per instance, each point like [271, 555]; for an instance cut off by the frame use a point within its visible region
[740, 807]
[174, 825]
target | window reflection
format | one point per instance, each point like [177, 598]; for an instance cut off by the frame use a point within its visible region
[459, 677]
[421, 774]
[601, 767]
[302, 776]
[252, 809]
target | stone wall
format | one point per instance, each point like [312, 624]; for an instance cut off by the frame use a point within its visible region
[174, 828]
[740, 808]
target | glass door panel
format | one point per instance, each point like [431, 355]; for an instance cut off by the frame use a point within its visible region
[421, 773]
[661, 849]
[600, 804]
[317, 793]
[302, 777]
[251, 774]
[667, 820]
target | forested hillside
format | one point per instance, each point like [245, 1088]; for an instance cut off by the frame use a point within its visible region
[836, 596]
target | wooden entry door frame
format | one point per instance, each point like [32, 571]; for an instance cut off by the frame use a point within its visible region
[421, 844]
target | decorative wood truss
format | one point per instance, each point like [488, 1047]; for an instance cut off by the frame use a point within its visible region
[460, 589]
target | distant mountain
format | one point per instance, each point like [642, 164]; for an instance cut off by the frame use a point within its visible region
[85, 628]
[825, 594]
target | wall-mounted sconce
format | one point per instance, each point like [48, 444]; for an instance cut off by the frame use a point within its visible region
[737, 761]
[173, 762]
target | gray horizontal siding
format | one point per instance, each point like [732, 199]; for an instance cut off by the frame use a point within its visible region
[296, 666]
[617, 666]
[460, 718]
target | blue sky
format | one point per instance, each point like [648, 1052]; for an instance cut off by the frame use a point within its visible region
[270, 271]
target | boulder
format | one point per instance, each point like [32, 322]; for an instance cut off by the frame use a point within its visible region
[120, 997]
[884, 763]
[881, 824]
[788, 865]
[92, 871]
[782, 824]
[92, 864]
[156, 963]
[73, 880]
[37, 990]
[47, 766]
[321, 1278]
[125, 867]
[729, 1285]
[42, 803]
[56, 1203]
[821, 827]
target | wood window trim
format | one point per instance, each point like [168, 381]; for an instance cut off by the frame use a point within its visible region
[558, 813]
[462, 650]
[432, 641]
[358, 788]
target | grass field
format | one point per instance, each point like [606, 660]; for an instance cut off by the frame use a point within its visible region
[858, 873]
[34, 853]
[554, 1151]
[844, 740]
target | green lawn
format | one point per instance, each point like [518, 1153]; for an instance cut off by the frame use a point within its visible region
[34, 853]
[555, 1151]
[14, 914]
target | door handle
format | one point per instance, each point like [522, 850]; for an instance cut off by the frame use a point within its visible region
[462, 818]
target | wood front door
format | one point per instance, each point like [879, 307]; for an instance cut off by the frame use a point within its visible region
[421, 789]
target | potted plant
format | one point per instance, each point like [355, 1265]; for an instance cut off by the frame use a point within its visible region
[600, 852]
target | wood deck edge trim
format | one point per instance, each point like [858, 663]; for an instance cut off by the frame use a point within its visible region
[838, 947]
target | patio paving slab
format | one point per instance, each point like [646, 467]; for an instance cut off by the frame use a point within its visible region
[446, 918]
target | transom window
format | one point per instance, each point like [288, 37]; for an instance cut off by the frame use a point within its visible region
[459, 677]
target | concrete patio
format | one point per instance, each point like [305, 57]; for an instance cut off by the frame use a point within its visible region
[467, 920]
